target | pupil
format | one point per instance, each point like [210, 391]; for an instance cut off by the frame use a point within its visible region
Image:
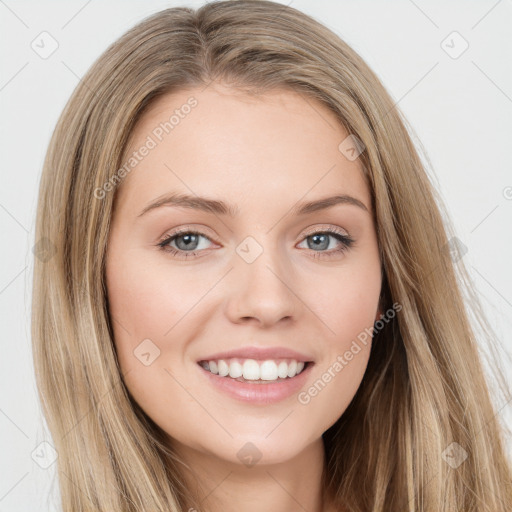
[189, 239]
[318, 242]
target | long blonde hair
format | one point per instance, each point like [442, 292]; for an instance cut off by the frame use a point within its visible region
[424, 388]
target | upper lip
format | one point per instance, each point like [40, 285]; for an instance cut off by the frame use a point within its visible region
[259, 353]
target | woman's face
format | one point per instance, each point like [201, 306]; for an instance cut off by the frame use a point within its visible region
[255, 267]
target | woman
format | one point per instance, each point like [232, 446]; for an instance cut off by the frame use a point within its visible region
[312, 351]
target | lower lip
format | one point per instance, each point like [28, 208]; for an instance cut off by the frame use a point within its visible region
[259, 393]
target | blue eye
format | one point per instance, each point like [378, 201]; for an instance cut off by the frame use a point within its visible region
[187, 243]
[320, 240]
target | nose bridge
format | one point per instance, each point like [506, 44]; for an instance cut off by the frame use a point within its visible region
[260, 285]
[261, 257]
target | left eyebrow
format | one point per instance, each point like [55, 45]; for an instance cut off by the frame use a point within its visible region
[194, 202]
[221, 208]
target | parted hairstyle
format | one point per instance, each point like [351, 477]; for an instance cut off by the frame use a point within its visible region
[424, 386]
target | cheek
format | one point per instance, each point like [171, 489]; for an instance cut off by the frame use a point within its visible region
[146, 300]
[347, 302]
[347, 305]
[334, 386]
[349, 315]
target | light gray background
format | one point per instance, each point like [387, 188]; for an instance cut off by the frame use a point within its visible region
[460, 109]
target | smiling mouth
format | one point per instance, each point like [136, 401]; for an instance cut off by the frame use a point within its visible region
[256, 372]
[232, 380]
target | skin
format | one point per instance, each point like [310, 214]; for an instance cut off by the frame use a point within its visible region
[263, 155]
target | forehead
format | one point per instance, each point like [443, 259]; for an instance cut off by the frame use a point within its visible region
[223, 142]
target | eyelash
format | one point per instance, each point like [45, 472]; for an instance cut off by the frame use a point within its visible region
[346, 243]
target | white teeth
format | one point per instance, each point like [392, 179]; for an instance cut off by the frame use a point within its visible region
[250, 369]
[292, 368]
[213, 367]
[222, 366]
[282, 370]
[268, 370]
[235, 370]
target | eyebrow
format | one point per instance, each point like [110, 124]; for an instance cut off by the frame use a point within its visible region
[221, 208]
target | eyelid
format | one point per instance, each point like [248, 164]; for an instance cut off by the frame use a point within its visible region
[325, 227]
[202, 230]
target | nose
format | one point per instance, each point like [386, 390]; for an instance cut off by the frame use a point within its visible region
[262, 291]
